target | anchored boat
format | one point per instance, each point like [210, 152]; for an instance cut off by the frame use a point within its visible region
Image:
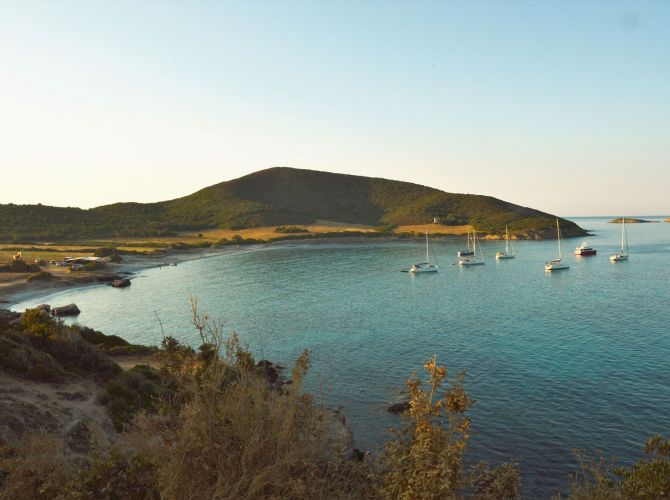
[585, 250]
[507, 254]
[424, 267]
[556, 264]
[473, 260]
[623, 253]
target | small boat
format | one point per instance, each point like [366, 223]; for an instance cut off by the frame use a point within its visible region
[467, 251]
[507, 254]
[473, 260]
[623, 253]
[424, 267]
[584, 250]
[556, 264]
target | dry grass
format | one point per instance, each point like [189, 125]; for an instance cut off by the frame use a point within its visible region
[268, 232]
[434, 229]
[36, 467]
[231, 435]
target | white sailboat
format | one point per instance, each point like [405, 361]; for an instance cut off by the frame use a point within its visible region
[623, 253]
[424, 267]
[467, 251]
[507, 254]
[556, 264]
[473, 260]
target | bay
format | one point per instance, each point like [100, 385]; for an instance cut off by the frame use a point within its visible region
[577, 359]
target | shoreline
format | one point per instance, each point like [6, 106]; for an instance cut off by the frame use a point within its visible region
[20, 290]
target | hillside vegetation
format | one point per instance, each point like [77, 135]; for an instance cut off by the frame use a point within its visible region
[281, 197]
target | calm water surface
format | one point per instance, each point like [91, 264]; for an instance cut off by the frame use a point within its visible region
[575, 359]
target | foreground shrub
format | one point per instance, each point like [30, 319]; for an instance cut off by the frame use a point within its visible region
[37, 467]
[648, 478]
[132, 391]
[112, 345]
[230, 433]
[38, 322]
[76, 356]
[18, 357]
[426, 459]
[115, 475]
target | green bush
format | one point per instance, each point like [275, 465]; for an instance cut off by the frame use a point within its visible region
[76, 355]
[19, 266]
[105, 252]
[130, 392]
[648, 478]
[291, 229]
[116, 476]
[18, 357]
[37, 322]
[41, 276]
[94, 266]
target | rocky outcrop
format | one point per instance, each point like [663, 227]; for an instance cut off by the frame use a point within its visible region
[108, 278]
[398, 408]
[68, 310]
[121, 283]
[338, 439]
[630, 220]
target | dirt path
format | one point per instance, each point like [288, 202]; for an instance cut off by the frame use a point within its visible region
[68, 410]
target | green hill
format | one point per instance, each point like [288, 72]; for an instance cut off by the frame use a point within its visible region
[281, 196]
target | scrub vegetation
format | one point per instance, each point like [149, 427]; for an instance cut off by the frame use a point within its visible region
[279, 197]
[214, 422]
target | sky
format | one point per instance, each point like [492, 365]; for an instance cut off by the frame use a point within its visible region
[560, 106]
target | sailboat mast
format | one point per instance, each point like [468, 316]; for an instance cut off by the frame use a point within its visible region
[558, 231]
[427, 257]
[624, 236]
[506, 240]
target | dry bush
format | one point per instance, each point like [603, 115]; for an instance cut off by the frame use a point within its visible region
[231, 434]
[646, 479]
[36, 467]
[426, 459]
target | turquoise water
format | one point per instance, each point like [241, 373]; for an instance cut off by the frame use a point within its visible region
[574, 359]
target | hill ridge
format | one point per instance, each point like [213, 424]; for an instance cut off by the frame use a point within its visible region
[282, 196]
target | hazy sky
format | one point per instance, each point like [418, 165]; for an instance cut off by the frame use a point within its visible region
[562, 106]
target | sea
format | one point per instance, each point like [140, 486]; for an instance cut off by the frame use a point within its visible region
[562, 362]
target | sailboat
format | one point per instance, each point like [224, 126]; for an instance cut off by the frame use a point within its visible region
[556, 264]
[467, 251]
[507, 254]
[473, 260]
[424, 267]
[623, 253]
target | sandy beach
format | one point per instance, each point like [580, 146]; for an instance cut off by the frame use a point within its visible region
[15, 288]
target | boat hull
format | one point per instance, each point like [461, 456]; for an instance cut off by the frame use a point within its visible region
[618, 258]
[585, 253]
[501, 256]
[423, 268]
[466, 253]
[471, 263]
[556, 267]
